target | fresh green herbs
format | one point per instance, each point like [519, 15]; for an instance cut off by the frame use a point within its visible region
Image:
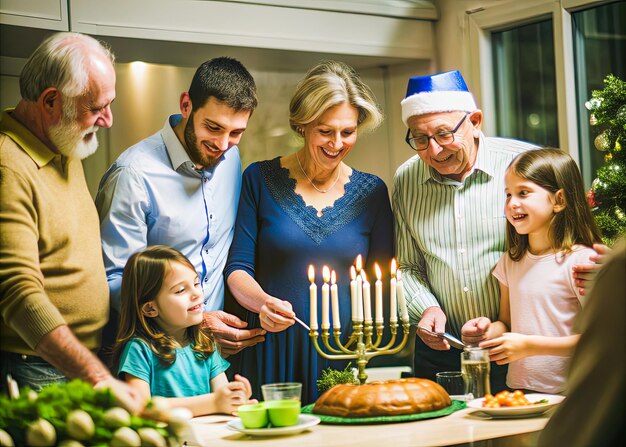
[331, 377]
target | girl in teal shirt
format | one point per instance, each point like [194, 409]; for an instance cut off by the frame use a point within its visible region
[161, 348]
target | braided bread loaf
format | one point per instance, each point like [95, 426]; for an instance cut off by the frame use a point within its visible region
[383, 398]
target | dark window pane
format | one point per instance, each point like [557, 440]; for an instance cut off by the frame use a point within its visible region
[600, 49]
[525, 83]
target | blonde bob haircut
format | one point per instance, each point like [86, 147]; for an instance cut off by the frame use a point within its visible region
[328, 84]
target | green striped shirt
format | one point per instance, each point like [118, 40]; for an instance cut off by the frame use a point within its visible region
[449, 234]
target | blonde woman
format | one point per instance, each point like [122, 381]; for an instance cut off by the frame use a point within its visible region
[305, 208]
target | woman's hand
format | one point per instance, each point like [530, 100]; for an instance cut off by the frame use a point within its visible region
[276, 315]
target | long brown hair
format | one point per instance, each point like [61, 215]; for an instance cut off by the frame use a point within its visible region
[141, 282]
[554, 170]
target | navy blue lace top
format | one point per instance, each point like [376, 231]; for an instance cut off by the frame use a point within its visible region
[277, 236]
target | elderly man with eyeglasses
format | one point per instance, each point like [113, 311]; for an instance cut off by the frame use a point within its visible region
[448, 203]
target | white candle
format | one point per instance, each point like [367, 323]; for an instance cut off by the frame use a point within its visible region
[353, 305]
[313, 298]
[359, 298]
[367, 299]
[393, 303]
[378, 294]
[334, 297]
[325, 298]
[404, 313]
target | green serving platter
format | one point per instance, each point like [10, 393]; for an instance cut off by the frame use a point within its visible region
[455, 406]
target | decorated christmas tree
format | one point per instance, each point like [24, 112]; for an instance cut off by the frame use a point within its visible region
[608, 191]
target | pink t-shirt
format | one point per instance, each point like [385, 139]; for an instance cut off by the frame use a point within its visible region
[544, 301]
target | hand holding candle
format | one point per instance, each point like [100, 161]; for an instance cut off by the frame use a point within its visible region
[334, 297]
[378, 293]
[325, 298]
[313, 298]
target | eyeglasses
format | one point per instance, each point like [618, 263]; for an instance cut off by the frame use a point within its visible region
[421, 142]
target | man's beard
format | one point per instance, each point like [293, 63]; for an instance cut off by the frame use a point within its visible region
[68, 137]
[195, 154]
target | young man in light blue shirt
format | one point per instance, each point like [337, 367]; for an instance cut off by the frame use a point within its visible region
[180, 187]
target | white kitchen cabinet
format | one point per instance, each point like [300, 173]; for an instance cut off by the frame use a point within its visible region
[257, 25]
[45, 14]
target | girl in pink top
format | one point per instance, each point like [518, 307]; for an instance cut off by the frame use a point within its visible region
[550, 228]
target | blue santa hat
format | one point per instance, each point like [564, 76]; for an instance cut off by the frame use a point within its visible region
[441, 92]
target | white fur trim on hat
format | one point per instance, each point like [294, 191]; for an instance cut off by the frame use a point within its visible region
[433, 102]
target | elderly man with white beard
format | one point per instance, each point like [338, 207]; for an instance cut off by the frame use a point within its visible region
[54, 299]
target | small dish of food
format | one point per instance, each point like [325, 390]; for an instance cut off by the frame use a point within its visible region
[515, 404]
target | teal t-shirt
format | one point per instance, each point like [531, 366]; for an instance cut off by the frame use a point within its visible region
[187, 376]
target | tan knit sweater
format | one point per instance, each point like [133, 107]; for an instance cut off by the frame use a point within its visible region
[51, 268]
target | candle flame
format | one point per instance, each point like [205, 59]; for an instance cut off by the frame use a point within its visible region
[311, 274]
[326, 273]
[333, 277]
[393, 267]
[363, 275]
[359, 263]
[379, 274]
[352, 273]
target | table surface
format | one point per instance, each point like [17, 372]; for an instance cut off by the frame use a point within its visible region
[465, 426]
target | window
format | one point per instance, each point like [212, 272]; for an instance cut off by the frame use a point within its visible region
[525, 83]
[599, 37]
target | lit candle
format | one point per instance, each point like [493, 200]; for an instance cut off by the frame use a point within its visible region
[367, 299]
[404, 313]
[313, 298]
[378, 294]
[353, 292]
[325, 298]
[334, 297]
[393, 303]
[359, 293]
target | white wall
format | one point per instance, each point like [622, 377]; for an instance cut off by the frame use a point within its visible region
[147, 93]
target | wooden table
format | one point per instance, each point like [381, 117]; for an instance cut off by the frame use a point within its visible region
[458, 428]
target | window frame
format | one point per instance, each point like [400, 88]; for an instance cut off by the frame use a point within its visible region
[482, 22]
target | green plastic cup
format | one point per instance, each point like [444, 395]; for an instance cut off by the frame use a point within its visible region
[283, 413]
[253, 415]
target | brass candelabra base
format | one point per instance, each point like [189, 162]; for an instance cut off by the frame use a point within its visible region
[362, 344]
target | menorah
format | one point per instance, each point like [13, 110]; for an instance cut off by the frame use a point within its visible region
[362, 344]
